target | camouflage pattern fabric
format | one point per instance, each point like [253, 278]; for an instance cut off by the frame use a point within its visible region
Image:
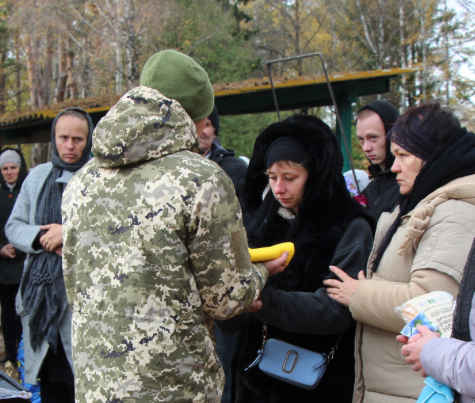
[153, 242]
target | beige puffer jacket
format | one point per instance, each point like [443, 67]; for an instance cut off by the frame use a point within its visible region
[427, 253]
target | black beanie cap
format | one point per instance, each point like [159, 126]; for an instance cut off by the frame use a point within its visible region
[386, 111]
[214, 117]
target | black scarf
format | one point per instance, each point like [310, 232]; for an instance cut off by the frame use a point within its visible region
[452, 160]
[43, 291]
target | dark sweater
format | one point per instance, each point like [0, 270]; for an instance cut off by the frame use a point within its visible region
[322, 314]
[382, 192]
[234, 167]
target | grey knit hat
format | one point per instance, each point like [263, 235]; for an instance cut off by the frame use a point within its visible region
[10, 156]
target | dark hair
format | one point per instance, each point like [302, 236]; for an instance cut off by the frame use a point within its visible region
[441, 122]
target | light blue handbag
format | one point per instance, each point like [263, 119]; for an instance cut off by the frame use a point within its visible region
[288, 363]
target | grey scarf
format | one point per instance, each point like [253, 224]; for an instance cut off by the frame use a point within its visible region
[43, 291]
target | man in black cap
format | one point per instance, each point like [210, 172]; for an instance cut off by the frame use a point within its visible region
[373, 122]
[211, 148]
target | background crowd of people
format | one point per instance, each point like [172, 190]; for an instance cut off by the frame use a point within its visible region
[131, 269]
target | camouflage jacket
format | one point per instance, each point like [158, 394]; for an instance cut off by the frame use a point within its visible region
[153, 242]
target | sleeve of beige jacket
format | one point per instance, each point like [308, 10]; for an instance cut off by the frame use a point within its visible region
[435, 268]
[375, 300]
[219, 257]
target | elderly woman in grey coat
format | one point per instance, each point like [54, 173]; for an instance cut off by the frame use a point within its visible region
[35, 227]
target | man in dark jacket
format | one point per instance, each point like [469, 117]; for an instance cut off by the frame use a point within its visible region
[373, 121]
[234, 167]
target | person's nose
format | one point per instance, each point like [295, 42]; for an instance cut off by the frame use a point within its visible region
[69, 144]
[367, 146]
[396, 168]
[279, 187]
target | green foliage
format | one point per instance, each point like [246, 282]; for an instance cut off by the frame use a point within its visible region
[240, 132]
[209, 33]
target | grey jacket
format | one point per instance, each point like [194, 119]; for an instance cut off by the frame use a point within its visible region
[21, 231]
[452, 362]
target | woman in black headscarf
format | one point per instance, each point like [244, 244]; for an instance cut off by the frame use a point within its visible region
[295, 191]
[35, 227]
[13, 173]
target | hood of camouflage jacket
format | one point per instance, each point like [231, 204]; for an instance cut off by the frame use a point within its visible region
[143, 125]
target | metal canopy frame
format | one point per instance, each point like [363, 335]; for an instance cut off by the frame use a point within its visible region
[330, 90]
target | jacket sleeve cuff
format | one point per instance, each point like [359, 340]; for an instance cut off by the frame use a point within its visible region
[262, 273]
[267, 304]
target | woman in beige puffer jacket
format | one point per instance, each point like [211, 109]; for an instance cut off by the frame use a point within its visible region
[419, 248]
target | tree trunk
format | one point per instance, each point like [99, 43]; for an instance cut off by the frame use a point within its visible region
[17, 74]
[118, 74]
[32, 78]
[71, 86]
[422, 20]
[62, 73]
[43, 93]
[297, 37]
[39, 154]
[131, 51]
[3, 82]
[403, 56]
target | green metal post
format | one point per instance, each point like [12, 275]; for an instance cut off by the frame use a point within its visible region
[344, 106]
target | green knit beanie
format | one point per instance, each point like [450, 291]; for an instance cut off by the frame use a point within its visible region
[178, 76]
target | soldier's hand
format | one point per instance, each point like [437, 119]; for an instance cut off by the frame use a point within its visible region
[277, 265]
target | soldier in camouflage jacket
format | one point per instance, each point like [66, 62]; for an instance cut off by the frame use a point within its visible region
[153, 243]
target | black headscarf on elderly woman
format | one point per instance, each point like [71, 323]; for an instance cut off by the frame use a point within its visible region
[42, 289]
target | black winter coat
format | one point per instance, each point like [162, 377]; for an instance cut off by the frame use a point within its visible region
[234, 167]
[11, 270]
[325, 214]
[382, 192]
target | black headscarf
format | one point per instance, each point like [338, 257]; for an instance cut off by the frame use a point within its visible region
[452, 160]
[42, 289]
[325, 184]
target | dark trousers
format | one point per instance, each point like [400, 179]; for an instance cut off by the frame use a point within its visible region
[11, 323]
[56, 377]
[225, 346]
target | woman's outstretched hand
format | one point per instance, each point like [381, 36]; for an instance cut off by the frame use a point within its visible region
[343, 290]
[257, 304]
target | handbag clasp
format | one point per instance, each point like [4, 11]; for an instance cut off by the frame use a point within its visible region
[287, 357]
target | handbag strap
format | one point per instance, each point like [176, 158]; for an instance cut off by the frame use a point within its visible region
[331, 355]
[260, 352]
